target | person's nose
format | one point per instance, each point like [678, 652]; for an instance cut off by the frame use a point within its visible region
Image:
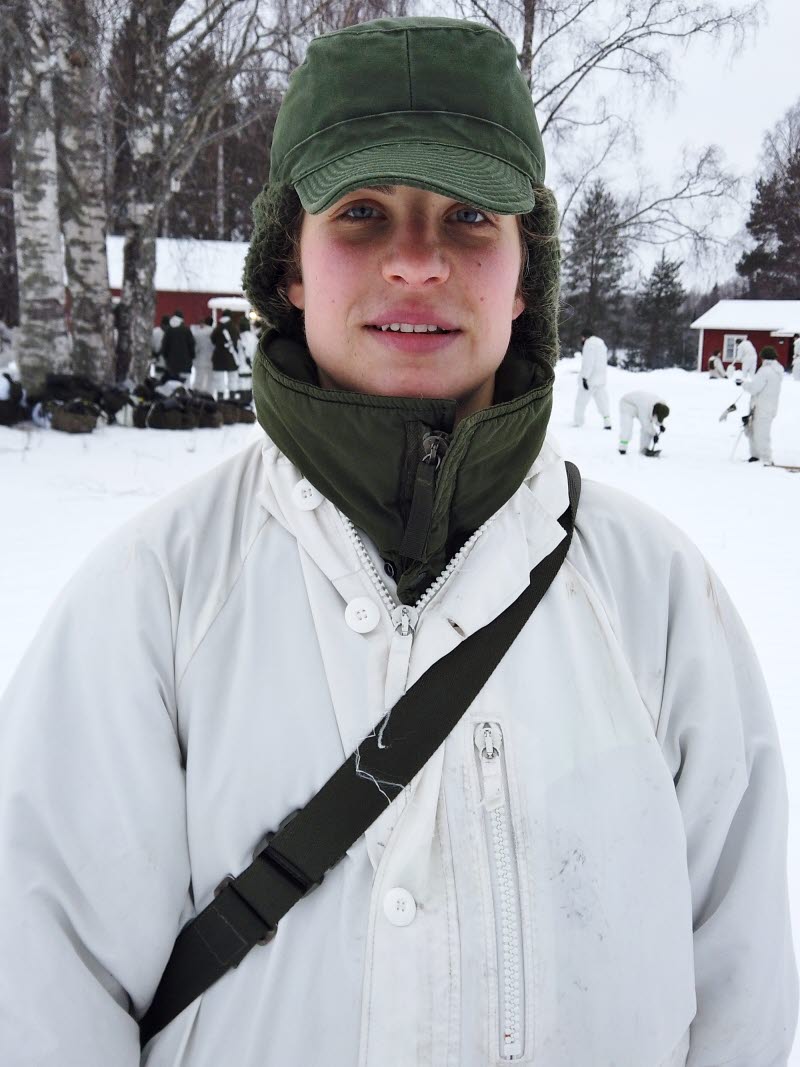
[416, 255]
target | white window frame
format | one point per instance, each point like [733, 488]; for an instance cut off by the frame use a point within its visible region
[733, 338]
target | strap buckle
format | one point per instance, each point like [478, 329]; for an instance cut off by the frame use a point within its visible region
[228, 880]
[264, 851]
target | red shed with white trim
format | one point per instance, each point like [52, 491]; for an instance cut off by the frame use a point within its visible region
[764, 322]
[188, 273]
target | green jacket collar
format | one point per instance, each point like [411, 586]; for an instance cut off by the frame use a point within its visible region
[394, 465]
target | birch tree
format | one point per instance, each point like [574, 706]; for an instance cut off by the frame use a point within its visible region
[9, 291]
[781, 144]
[160, 35]
[581, 58]
[42, 340]
[82, 189]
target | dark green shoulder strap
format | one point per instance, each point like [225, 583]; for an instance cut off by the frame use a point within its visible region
[246, 910]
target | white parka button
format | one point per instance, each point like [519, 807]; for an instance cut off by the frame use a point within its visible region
[362, 615]
[399, 907]
[305, 496]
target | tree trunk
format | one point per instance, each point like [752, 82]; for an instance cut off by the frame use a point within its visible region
[9, 290]
[42, 340]
[220, 192]
[83, 199]
[526, 55]
[137, 303]
[146, 192]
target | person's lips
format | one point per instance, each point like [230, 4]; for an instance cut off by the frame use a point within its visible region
[419, 340]
[411, 317]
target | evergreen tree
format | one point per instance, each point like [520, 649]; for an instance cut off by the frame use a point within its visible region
[660, 321]
[596, 258]
[772, 267]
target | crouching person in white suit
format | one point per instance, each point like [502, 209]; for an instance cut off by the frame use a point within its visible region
[651, 412]
[765, 391]
[592, 381]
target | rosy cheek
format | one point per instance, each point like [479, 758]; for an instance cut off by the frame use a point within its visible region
[342, 267]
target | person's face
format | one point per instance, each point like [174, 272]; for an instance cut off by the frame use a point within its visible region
[402, 255]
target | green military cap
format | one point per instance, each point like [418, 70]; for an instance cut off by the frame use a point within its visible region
[440, 104]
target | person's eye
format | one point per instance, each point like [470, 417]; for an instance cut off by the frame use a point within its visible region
[354, 213]
[472, 211]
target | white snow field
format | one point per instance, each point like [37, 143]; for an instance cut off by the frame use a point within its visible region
[61, 495]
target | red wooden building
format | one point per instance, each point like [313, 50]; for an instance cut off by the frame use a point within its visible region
[764, 322]
[188, 274]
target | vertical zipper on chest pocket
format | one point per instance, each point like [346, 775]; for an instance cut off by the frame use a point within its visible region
[505, 889]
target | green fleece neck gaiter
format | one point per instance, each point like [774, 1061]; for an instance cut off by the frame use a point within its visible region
[395, 465]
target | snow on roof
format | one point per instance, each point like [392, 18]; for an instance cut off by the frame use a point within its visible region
[184, 265]
[772, 315]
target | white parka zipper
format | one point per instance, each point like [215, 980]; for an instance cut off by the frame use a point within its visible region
[488, 741]
[405, 617]
[505, 889]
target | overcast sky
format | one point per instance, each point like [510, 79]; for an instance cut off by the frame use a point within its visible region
[729, 100]
[732, 100]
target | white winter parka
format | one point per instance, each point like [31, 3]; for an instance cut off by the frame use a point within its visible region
[594, 359]
[765, 389]
[747, 356]
[610, 891]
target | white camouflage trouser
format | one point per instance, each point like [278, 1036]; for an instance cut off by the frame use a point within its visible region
[598, 393]
[221, 380]
[627, 413]
[203, 377]
[759, 434]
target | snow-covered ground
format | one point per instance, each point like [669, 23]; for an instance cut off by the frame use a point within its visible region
[62, 494]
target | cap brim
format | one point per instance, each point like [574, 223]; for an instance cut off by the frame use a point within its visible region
[475, 178]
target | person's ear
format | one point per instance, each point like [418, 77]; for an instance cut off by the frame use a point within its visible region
[295, 291]
[519, 306]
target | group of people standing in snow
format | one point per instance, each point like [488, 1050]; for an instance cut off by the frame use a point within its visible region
[761, 385]
[638, 405]
[215, 359]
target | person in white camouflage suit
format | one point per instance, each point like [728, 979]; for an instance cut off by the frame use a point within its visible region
[764, 390]
[651, 412]
[592, 380]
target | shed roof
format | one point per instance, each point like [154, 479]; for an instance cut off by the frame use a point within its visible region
[771, 315]
[184, 265]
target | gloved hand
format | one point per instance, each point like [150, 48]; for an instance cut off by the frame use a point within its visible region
[663, 428]
[585, 383]
[745, 419]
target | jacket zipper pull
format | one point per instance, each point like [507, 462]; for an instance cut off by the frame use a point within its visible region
[404, 620]
[488, 739]
[434, 447]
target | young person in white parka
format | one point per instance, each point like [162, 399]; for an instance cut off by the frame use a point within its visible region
[590, 866]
